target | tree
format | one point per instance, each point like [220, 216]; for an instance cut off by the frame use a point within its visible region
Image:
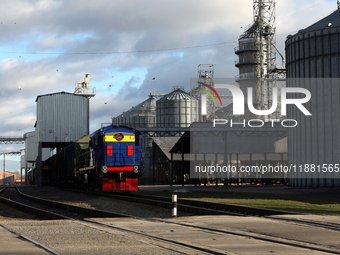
[16, 175]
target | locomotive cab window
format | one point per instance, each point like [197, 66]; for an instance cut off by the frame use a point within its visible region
[137, 139]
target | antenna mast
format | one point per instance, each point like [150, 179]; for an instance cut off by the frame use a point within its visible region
[264, 18]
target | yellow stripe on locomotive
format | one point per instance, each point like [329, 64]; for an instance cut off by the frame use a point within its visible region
[119, 137]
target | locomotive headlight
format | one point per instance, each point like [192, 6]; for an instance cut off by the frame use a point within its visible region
[104, 169]
[135, 169]
[119, 137]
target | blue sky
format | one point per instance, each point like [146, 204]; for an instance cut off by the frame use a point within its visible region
[47, 46]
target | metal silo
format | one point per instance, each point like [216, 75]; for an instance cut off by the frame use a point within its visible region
[141, 115]
[313, 62]
[248, 64]
[174, 109]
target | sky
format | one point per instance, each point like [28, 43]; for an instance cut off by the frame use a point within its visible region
[47, 46]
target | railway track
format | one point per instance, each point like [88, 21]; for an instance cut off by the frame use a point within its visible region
[320, 224]
[191, 206]
[165, 243]
[2, 189]
[243, 211]
[209, 208]
[72, 208]
[169, 245]
[239, 210]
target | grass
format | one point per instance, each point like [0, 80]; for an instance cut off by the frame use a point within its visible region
[308, 204]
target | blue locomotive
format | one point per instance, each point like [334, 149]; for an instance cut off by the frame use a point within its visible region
[108, 160]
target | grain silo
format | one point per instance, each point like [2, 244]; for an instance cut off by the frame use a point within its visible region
[313, 63]
[141, 115]
[176, 109]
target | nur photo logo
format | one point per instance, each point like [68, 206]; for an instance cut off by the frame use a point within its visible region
[204, 97]
[239, 103]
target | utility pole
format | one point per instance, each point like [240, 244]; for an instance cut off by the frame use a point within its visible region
[3, 179]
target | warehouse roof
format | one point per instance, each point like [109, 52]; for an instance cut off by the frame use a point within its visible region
[166, 144]
[62, 92]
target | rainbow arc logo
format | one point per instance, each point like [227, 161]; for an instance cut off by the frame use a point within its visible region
[204, 97]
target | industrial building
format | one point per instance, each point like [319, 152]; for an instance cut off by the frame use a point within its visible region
[30, 153]
[62, 118]
[7, 178]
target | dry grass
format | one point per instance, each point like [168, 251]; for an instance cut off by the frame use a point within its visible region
[308, 204]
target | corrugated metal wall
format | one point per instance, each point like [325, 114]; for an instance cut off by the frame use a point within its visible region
[31, 148]
[315, 55]
[62, 117]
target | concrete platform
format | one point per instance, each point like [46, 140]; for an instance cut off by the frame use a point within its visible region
[70, 237]
[14, 244]
[317, 218]
[274, 228]
[234, 244]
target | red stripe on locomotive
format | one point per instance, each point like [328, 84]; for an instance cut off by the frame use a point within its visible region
[120, 168]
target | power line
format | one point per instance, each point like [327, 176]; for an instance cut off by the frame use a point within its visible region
[114, 52]
[302, 10]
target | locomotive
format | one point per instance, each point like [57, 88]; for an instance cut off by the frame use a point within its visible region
[108, 160]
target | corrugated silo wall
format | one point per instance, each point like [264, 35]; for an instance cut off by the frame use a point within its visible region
[62, 117]
[315, 56]
[176, 112]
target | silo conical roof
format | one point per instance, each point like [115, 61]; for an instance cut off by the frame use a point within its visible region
[146, 107]
[331, 21]
[177, 94]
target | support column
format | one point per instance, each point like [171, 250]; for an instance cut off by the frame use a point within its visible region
[182, 163]
[3, 180]
[153, 163]
[225, 158]
[38, 168]
[171, 168]
[26, 165]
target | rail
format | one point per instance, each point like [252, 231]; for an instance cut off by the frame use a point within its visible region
[73, 208]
